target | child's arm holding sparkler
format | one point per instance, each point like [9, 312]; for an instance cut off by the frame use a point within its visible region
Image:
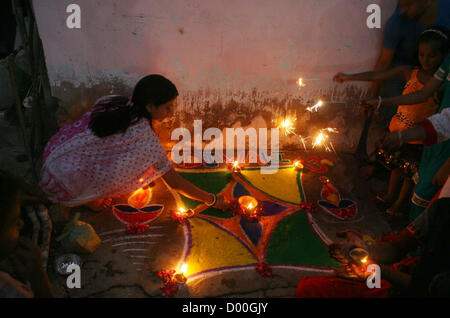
[396, 72]
[409, 99]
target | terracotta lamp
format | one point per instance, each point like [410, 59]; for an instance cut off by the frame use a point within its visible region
[180, 277]
[181, 215]
[359, 255]
[248, 205]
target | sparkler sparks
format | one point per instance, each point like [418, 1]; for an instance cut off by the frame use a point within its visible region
[322, 137]
[316, 107]
[319, 139]
[303, 142]
[287, 126]
[300, 82]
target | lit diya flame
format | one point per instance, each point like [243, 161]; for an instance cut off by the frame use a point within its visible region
[184, 268]
[359, 255]
[182, 214]
[236, 167]
[180, 277]
[300, 82]
[248, 204]
[298, 165]
[316, 107]
[140, 198]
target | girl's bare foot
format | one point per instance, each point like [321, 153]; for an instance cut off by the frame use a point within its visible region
[396, 212]
[100, 204]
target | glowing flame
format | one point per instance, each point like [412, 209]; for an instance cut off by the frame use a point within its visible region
[140, 198]
[332, 130]
[182, 210]
[364, 260]
[300, 82]
[184, 268]
[298, 165]
[322, 137]
[287, 126]
[316, 107]
[250, 206]
[141, 180]
[319, 139]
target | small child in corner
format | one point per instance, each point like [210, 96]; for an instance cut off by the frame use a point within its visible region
[18, 253]
[433, 45]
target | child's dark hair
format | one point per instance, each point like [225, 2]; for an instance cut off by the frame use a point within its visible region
[438, 35]
[9, 194]
[118, 115]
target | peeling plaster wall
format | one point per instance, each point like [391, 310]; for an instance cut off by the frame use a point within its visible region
[234, 62]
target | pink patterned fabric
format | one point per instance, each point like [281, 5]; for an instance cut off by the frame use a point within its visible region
[79, 167]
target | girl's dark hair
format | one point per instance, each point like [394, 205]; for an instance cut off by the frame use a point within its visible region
[121, 112]
[438, 35]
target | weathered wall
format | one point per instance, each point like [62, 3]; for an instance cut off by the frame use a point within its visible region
[233, 61]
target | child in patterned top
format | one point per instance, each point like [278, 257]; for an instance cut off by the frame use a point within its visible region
[432, 49]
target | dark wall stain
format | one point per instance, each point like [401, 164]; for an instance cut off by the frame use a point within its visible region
[225, 109]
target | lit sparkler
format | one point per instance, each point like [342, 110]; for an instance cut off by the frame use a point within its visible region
[316, 107]
[322, 137]
[300, 82]
[319, 139]
[303, 142]
[287, 126]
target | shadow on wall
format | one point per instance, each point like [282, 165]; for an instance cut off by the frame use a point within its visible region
[232, 109]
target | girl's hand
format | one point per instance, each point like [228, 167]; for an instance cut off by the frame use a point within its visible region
[341, 77]
[441, 176]
[368, 106]
[222, 203]
[371, 102]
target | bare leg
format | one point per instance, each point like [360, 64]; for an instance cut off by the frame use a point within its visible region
[404, 196]
[394, 184]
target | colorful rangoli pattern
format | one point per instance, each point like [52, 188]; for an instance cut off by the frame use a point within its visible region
[217, 240]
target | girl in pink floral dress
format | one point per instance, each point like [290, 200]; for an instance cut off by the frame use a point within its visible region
[112, 150]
